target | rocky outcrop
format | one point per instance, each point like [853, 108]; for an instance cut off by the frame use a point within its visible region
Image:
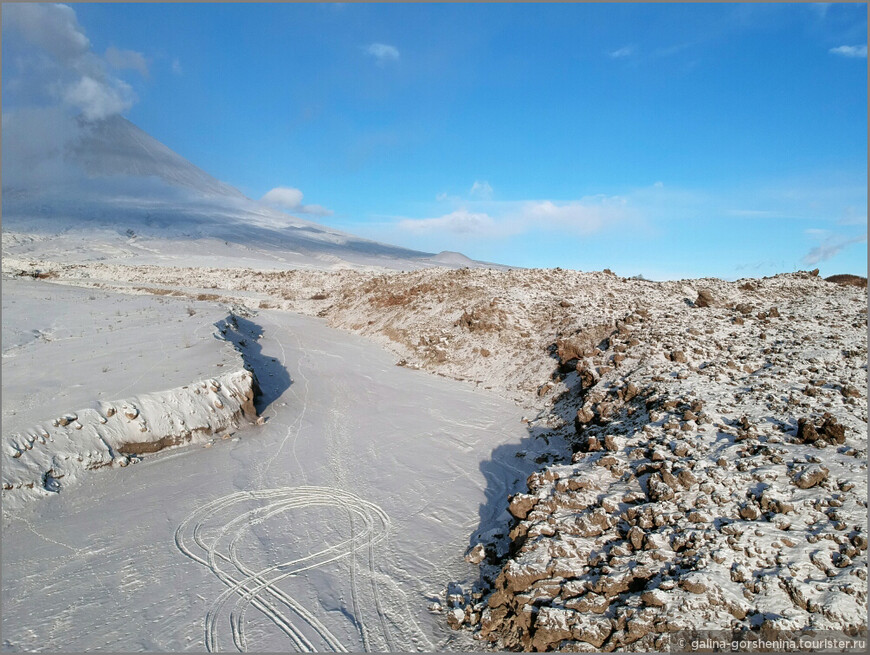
[703, 491]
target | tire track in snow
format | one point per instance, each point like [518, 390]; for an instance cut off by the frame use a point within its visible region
[260, 588]
[295, 427]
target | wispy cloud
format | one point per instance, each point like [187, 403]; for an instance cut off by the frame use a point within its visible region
[176, 68]
[382, 52]
[127, 59]
[481, 189]
[819, 8]
[831, 245]
[291, 199]
[460, 221]
[503, 220]
[853, 51]
[620, 53]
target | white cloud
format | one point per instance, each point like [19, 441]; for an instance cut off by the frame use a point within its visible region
[829, 247]
[55, 66]
[458, 222]
[291, 199]
[98, 100]
[383, 52]
[854, 51]
[176, 67]
[283, 197]
[127, 59]
[625, 51]
[481, 190]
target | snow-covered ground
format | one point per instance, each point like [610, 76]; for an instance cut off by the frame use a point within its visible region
[330, 527]
[67, 348]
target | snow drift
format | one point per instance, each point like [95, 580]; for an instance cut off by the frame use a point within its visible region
[52, 453]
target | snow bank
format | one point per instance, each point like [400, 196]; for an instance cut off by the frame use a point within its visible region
[51, 455]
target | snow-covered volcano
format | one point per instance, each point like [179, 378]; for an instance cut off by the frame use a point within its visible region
[116, 147]
[107, 190]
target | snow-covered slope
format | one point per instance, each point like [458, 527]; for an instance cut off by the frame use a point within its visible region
[115, 146]
[109, 191]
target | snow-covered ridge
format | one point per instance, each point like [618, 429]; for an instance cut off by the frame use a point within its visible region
[50, 455]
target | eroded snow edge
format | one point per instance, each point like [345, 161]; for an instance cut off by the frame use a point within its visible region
[55, 452]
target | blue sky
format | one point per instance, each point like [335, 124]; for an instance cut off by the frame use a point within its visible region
[677, 140]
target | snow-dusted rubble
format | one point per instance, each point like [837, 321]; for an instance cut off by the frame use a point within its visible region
[699, 496]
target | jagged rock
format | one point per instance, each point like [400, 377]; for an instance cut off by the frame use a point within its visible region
[658, 490]
[590, 602]
[769, 503]
[631, 392]
[654, 598]
[807, 431]
[552, 625]
[584, 416]
[705, 298]
[811, 476]
[636, 536]
[592, 629]
[588, 376]
[850, 391]
[521, 504]
[66, 419]
[693, 584]
[545, 388]
[749, 511]
[832, 431]
[455, 617]
[583, 343]
[476, 554]
[519, 577]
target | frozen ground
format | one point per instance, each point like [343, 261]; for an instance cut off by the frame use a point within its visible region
[339, 520]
